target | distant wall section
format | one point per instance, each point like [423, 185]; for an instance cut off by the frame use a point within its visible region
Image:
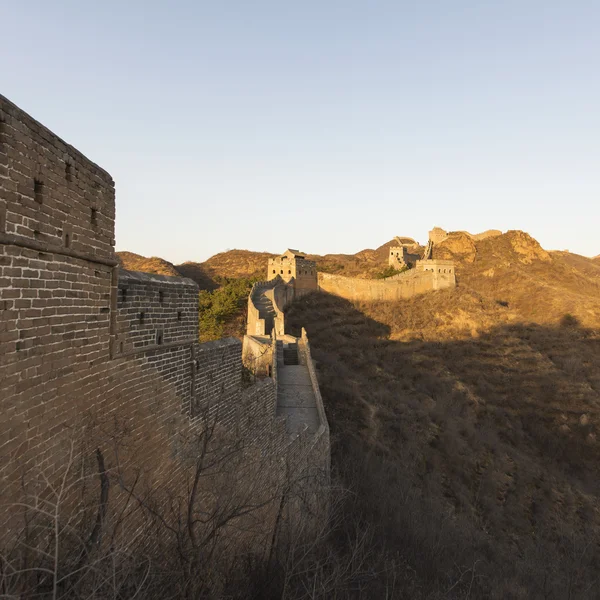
[425, 277]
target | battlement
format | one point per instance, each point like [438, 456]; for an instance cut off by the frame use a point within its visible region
[154, 310]
[53, 197]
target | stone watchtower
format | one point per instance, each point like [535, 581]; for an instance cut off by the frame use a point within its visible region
[292, 265]
[437, 235]
[404, 253]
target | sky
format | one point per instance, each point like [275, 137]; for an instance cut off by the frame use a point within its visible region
[326, 126]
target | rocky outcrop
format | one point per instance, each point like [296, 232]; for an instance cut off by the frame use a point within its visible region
[457, 246]
[527, 248]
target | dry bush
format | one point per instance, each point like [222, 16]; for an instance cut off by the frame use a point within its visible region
[103, 526]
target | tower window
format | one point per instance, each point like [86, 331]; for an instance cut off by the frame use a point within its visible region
[159, 337]
[142, 317]
[67, 240]
[68, 172]
[38, 190]
[179, 315]
[161, 296]
[94, 216]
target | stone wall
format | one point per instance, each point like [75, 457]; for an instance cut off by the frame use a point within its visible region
[255, 324]
[96, 358]
[423, 278]
[155, 310]
[52, 196]
[218, 373]
[400, 257]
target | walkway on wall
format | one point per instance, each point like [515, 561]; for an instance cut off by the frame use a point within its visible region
[295, 397]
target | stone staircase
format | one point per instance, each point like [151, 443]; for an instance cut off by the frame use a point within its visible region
[266, 312]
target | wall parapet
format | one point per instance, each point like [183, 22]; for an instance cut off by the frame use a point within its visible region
[304, 348]
[256, 325]
[423, 278]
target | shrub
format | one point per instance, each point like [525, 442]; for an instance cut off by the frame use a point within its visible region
[222, 311]
[569, 320]
[390, 272]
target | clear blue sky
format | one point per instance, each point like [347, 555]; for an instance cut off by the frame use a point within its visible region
[328, 125]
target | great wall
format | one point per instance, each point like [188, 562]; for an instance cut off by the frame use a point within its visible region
[99, 361]
[420, 273]
[105, 360]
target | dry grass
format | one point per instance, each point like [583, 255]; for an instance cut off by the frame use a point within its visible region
[536, 285]
[467, 450]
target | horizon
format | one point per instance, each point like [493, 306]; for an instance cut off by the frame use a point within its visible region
[324, 127]
[309, 253]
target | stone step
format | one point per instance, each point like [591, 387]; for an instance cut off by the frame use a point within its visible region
[290, 355]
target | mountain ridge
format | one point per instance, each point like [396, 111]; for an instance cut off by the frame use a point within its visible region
[511, 269]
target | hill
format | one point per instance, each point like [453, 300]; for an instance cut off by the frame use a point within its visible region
[366, 263]
[470, 445]
[233, 264]
[514, 270]
[238, 263]
[137, 262]
[510, 271]
[464, 422]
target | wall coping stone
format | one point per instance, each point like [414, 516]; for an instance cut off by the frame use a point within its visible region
[222, 343]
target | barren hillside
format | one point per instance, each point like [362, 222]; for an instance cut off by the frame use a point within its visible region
[510, 272]
[471, 444]
[464, 422]
[233, 264]
[137, 262]
[514, 270]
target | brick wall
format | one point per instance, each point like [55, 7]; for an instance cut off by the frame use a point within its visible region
[105, 357]
[51, 193]
[154, 310]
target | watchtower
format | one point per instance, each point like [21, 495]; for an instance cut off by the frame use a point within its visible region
[404, 254]
[292, 265]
